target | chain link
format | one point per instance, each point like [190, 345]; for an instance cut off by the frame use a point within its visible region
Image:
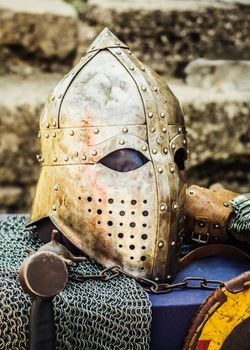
[106, 274]
[148, 285]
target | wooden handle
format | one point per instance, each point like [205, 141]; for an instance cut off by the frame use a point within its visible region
[42, 325]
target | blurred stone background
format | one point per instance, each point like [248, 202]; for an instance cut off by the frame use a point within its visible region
[202, 48]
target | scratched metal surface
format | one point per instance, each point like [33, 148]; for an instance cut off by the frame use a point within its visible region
[111, 101]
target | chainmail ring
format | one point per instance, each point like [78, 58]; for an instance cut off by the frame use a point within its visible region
[93, 315]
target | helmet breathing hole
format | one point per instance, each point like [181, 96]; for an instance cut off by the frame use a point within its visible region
[145, 213]
[142, 268]
[180, 157]
[131, 258]
[120, 235]
[98, 222]
[110, 223]
[110, 200]
[143, 258]
[122, 201]
[79, 198]
[143, 247]
[109, 234]
[133, 202]
[132, 213]
[132, 224]
[99, 211]
[121, 224]
[89, 199]
[132, 236]
[145, 201]
[144, 236]
[120, 245]
[122, 213]
[110, 212]
[89, 210]
[99, 200]
[144, 225]
[132, 247]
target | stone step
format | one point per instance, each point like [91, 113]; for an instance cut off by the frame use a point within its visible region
[20, 106]
[40, 32]
[217, 123]
[168, 34]
[218, 135]
[219, 74]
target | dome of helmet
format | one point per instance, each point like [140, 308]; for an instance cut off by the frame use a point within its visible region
[108, 87]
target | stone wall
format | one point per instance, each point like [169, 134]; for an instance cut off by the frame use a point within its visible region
[168, 35]
[40, 33]
[20, 106]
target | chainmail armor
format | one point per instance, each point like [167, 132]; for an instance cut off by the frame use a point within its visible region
[241, 220]
[91, 315]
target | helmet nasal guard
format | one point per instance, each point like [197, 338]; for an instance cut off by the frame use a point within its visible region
[133, 217]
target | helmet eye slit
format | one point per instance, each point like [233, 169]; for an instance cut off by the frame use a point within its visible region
[124, 160]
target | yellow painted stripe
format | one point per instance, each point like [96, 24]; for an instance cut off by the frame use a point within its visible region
[226, 318]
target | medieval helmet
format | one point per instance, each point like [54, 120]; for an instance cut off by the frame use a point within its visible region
[110, 102]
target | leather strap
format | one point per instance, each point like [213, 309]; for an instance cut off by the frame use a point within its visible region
[212, 250]
[207, 212]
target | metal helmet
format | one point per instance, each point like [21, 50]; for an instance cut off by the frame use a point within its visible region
[110, 101]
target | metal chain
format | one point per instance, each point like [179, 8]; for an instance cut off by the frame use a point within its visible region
[148, 285]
